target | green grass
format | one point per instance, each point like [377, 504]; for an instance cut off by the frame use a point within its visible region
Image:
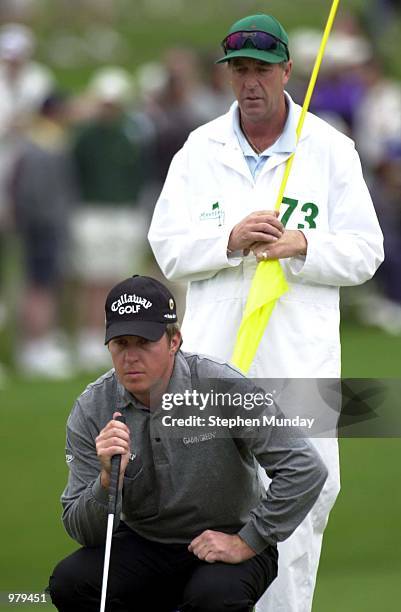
[368, 352]
[360, 566]
[358, 591]
[32, 421]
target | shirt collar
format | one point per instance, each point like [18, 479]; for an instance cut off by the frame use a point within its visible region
[124, 397]
[286, 143]
[181, 376]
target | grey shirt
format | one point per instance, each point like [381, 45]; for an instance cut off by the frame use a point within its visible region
[173, 490]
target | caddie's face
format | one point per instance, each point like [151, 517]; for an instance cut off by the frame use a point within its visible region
[143, 366]
[259, 87]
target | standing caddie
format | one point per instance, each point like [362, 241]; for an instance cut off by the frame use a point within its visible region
[186, 536]
[214, 222]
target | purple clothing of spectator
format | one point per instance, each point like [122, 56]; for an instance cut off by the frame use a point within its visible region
[340, 95]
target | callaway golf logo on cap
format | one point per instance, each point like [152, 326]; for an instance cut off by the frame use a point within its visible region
[134, 302]
[139, 306]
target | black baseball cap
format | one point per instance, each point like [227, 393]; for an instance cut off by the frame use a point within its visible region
[139, 306]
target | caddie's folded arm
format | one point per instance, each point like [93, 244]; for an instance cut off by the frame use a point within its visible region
[185, 247]
[298, 475]
[347, 253]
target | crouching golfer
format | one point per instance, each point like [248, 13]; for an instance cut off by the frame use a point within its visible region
[194, 529]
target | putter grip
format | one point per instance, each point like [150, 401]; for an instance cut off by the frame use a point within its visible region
[114, 476]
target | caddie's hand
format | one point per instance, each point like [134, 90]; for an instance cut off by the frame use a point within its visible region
[262, 226]
[291, 244]
[114, 439]
[212, 546]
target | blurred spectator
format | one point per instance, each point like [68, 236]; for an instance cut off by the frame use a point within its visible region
[341, 87]
[23, 86]
[381, 14]
[387, 190]
[215, 95]
[11, 10]
[305, 44]
[23, 82]
[177, 97]
[384, 310]
[352, 88]
[108, 228]
[378, 117]
[378, 136]
[175, 108]
[44, 194]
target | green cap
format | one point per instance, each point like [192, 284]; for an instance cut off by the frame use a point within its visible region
[260, 23]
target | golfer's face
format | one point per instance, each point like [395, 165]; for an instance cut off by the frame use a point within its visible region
[258, 87]
[141, 364]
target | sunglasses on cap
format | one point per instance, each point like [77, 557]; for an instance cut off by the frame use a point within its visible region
[260, 40]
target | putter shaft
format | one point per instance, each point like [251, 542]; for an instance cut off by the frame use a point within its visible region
[109, 536]
[113, 493]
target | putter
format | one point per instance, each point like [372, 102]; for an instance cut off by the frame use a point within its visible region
[113, 492]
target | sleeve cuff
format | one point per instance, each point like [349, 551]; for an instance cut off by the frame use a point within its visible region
[102, 496]
[301, 264]
[99, 493]
[297, 264]
[249, 534]
[234, 258]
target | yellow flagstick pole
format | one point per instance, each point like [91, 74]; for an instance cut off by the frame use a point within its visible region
[308, 95]
[269, 282]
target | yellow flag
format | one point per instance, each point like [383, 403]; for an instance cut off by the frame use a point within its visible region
[269, 282]
[268, 285]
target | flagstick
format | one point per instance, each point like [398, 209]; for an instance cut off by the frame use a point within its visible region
[308, 96]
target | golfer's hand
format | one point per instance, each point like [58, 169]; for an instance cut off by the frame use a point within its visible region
[114, 439]
[291, 244]
[258, 227]
[212, 546]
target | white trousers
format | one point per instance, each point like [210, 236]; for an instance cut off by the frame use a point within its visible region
[108, 242]
[292, 591]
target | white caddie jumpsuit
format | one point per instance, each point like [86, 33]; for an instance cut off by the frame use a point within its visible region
[208, 190]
